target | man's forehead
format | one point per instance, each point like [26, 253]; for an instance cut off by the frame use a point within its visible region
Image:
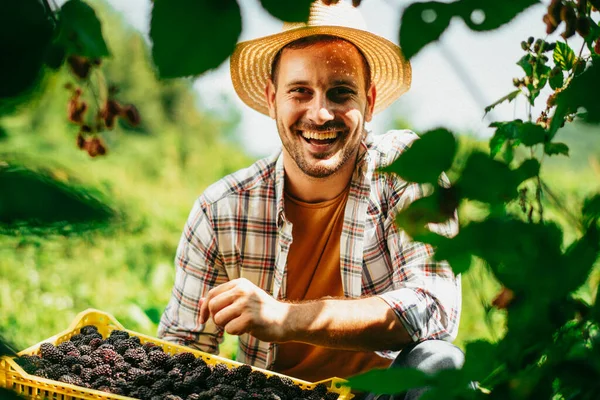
[339, 56]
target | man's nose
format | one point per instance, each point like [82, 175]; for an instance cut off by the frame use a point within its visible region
[320, 109]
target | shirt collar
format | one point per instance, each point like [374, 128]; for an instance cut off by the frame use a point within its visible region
[360, 169]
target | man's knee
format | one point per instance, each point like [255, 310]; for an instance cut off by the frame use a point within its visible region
[430, 356]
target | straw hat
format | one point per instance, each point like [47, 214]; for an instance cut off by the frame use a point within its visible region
[251, 61]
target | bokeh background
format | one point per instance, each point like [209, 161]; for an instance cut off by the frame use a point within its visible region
[106, 228]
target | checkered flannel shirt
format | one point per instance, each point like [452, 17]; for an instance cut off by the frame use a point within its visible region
[237, 228]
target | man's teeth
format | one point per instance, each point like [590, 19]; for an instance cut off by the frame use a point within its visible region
[319, 135]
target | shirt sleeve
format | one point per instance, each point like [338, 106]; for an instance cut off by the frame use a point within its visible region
[198, 269]
[426, 295]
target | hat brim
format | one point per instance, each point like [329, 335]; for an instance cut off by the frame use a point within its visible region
[251, 63]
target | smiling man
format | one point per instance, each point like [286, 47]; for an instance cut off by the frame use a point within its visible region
[299, 254]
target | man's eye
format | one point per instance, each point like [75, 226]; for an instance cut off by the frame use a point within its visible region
[342, 91]
[299, 90]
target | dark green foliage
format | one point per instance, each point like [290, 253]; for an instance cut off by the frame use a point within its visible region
[81, 31]
[296, 11]
[215, 25]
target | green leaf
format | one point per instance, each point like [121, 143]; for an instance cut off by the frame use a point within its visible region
[509, 97]
[423, 23]
[427, 158]
[480, 360]
[81, 30]
[26, 31]
[564, 56]
[491, 181]
[436, 208]
[193, 36]
[578, 94]
[557, 81]
[580, 258]
[389, 381]
[481, 15]
[290, 11]
[528, 169]
[531, 134]
[556, 148]
[524, 63]
[591, 207]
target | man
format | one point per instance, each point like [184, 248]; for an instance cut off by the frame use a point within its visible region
[299, 254]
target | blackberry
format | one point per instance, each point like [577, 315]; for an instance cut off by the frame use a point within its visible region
[86, 339]
[241, 394]
[103, 383]
[331, 396]
[256, 380]
[76, 339]
[95, 342]
[320, 389]
[140, 378]
[106, 345]
[117, 332]
[101, 370]
[193, 396]
[88, 362]
[74, 353]
[86, 374]
[143, 393]
[66, 347]
[51, 353]
[69, 361]
[30, 364]
[106, 356]
[172, 397]
[56, 371]
[239, 373]
[157, 374]
[126, 344]
[225, 390]
[158, 358]
[150, 347]
[122, 366]
[175, 375]
[184, 358]
[199, 362]
[88, 329]
[71, 379]
[161, 386]
[76, 369]
[135, 356]
[146, 365]
[85, 349]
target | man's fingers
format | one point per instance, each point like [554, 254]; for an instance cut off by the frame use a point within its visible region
[225, 315]
[237, 326]
[221, 301]
[204, 313]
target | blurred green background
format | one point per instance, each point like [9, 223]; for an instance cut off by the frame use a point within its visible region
[117, 254]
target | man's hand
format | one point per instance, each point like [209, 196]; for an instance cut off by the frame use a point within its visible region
[240, 307]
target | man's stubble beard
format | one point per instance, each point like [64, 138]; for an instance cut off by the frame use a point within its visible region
[316, 171]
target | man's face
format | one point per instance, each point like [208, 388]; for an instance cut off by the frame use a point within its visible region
[320, 104]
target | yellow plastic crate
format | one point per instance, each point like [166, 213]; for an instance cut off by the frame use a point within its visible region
[13, 377]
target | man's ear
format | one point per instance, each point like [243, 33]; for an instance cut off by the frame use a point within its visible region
[270, 97]
[371, 96]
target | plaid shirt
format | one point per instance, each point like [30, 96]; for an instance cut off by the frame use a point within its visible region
[237, 228]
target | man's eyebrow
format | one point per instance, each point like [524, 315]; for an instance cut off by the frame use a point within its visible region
[296, 83]
[345, 82]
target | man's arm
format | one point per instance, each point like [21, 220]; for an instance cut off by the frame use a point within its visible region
[197, 271]
[355, 324]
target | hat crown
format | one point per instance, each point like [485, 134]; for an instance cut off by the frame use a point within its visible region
[338, 14]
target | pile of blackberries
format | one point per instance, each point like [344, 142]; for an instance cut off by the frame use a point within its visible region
[120, 364]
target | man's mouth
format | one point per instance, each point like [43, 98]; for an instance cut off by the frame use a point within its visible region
[320, 138]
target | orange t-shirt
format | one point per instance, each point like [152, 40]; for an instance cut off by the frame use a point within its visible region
[315, 253]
